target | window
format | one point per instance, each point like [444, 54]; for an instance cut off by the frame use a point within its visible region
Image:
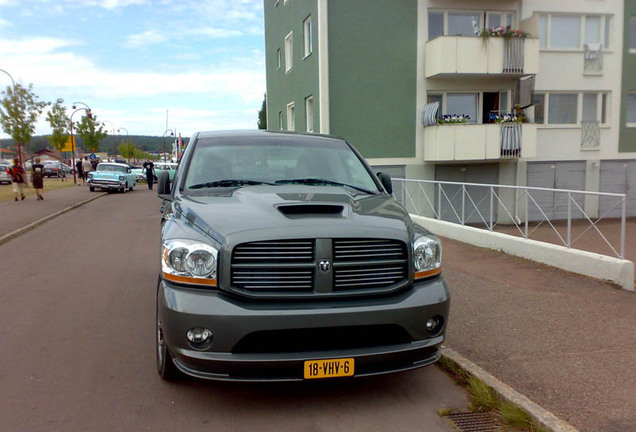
[498, 19]
[630, 102]
[565, 31]
[289, 51]
[278, 59]
[562, 108]
[466, 23]
[538, 100]
[307, 36]
[463, 104]
[309, 113]
[280, 120]
[632, 34]
[291, 117]
[590, 107]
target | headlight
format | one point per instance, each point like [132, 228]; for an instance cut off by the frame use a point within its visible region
[190, 262]
[427, 256]
[122, 178]
[90, 176]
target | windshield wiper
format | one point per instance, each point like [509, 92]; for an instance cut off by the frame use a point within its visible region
[319, 181]
[227, 183]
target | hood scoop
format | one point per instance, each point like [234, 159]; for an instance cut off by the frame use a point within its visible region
[296, 211]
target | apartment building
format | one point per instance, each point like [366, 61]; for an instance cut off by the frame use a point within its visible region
[529, 93]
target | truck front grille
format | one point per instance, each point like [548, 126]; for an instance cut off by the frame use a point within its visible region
[319, 267]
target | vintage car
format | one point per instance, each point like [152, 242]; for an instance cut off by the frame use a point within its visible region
[112, 176]
[4, 173]
[170, 167]
[284, 257]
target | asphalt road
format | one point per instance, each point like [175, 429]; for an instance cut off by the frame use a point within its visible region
[77, 346]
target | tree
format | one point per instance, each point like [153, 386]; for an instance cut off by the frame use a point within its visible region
[91, 132]
[127, 149]
[262, 114]
[60, 124]
[19, 111]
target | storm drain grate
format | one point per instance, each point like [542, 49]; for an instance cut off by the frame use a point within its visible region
[473, 422]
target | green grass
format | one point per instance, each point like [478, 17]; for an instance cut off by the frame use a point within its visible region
[484, 399]
[6, 191]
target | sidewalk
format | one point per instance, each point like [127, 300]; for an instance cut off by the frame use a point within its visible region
[15, 215]
[565, 341]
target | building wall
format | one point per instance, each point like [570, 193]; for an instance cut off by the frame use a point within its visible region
[372, 75]
[627, 141]
[302, 80]
[563, 71]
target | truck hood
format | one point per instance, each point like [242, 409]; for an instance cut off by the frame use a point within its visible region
[292, 211]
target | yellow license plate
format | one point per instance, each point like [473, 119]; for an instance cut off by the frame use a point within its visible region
[331, 368]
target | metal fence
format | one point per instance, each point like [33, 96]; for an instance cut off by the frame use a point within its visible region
[551, 215]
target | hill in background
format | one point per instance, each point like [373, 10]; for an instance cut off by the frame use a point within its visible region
[146, 143]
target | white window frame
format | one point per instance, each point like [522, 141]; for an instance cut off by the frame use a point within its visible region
[309, 113]
[605, 25]
[291, 117]
[632, 50]
[632, 124]
[601, 97]
[308, 39]
[289, 52]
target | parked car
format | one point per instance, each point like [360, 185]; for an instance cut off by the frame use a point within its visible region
[112, 176]
[170, 167]
[140, 173]
[285, 258]
[4, 174]
[56, 169]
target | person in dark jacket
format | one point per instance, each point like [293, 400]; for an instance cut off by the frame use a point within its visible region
[38, 178]
[150, 173]
[79, 171]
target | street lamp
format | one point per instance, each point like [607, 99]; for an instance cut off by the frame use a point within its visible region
[89, 114]
[127, 138]
[164, 141]
[113, 129]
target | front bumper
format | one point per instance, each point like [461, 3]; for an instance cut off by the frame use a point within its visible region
[288, 334]
[107, 185]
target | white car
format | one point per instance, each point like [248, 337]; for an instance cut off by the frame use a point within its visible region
[4, 175]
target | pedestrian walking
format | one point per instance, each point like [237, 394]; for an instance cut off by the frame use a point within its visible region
[37, 170]
[18, 178]
[86, 167]
[79, 170]
[150, 173]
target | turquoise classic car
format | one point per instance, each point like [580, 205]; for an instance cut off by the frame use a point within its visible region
[170, 167]
[112, 176]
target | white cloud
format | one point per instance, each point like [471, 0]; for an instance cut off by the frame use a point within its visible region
[149, 37]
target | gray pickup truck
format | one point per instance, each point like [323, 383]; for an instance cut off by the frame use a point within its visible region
[284, 258]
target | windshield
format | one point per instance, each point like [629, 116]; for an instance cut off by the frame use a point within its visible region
[224, 162]
[111, 168]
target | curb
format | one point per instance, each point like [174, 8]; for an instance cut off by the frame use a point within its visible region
[542, 416]
[5, 238]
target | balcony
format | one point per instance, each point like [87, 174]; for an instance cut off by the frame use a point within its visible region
[461, 56]
[479, 142]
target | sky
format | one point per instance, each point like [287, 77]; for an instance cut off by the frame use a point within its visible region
[200, 63]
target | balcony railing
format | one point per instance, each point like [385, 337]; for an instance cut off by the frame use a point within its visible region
[464, 142]
[458, 55]
[593, 59]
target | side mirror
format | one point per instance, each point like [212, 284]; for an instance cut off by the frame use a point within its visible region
[385, 179]
[163, 185]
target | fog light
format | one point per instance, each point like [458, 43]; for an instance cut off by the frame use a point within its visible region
[199, 335]
[434, 325]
